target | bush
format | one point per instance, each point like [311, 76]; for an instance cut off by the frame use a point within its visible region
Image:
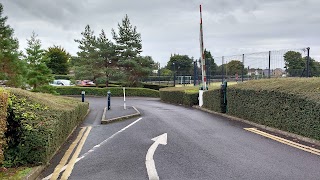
[68, 77]
[3, 122]
[290, 104]
[178, 96]
[154, 86]
[115, 91]
[38, 124]
[211, 100]
[46, 89]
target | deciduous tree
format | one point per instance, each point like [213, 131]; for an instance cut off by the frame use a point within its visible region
[58, 60]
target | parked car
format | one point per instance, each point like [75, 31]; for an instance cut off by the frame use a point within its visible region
[85, 83]
[61, 82]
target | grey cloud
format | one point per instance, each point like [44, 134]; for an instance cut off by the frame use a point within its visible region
[230, 26]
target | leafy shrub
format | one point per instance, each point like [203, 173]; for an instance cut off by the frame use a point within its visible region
[3, 122]
[46, 89]
[115, 91]
[211, 100]
[154, 86]
[38, 124]
[178, 96]
[68, 77]
[291, 105]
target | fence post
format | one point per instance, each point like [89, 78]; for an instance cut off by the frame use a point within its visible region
[222, 69]
[269, 71]
[308, 62]
[194, 73]
[242, 68]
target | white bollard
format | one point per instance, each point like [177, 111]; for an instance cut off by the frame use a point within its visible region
[124, 98]
[200, 98]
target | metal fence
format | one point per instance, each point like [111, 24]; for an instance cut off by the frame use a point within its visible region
[259, 65]
[267, 64]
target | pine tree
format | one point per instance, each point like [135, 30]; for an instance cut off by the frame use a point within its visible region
[11, 67]
[128, 40]
[38, 73]
[128, 47]
[89, 64]
[107, 51]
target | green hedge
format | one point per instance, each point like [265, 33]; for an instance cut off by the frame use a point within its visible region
[178, 96]
[3, 121]
[211, 100]
[291, 105]
[38, 124]
[115, 91]
[288, 104]
[68, 77]
[154, 86]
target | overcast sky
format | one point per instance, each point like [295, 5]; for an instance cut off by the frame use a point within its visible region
[172, 26]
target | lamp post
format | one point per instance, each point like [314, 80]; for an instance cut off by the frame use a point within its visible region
[174, 74]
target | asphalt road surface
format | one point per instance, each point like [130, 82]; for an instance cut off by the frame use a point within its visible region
[199, 146]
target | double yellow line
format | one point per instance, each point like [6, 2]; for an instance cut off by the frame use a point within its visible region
[81, 138]
[285, 141]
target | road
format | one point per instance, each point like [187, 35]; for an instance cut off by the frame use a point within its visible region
[199, 146]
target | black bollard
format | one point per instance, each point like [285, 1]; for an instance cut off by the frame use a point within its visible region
[109, 100]
[82, 94]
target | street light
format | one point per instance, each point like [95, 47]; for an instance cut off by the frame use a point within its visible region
[174, 74]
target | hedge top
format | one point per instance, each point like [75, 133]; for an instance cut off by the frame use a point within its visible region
[54, 102]
[305, 87]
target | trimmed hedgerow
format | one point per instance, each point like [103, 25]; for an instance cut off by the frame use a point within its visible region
[4, 101]
[291, 105]
[61, 76]
[154, 86]
[212, 100]
[38, 124]
[115, 91]
[179, 96]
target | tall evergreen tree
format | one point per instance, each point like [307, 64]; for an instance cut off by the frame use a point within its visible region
[38, 73]
[94, 52]
[11, 67]
[106, 51]
[59, 60]
[128, 40]
[128, 48]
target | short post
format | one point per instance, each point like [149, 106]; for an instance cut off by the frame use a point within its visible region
[82, 95]
[109, 100]
[124, 98]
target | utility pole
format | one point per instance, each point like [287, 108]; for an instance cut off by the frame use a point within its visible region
[203, 63]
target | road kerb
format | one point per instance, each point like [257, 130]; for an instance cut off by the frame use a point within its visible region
[292, 135]
[106, 121]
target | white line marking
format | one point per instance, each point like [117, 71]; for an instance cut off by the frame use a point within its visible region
[95, 147]
[151, 167]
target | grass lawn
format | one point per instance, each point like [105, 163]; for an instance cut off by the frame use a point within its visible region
[191, 88]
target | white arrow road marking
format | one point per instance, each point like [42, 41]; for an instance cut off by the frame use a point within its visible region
[95, 147]
[151, 167]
